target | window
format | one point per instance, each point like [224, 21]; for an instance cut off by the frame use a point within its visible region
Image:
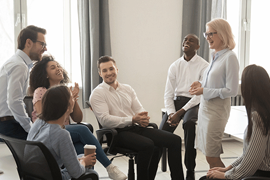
[7, 45]
[249, 21]
[59, 18]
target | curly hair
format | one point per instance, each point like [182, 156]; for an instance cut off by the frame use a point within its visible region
[38, 75]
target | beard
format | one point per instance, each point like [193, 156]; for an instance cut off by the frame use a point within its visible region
[35, 56]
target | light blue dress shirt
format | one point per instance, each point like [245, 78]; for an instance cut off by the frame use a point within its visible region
[14, 75]
[221, 77]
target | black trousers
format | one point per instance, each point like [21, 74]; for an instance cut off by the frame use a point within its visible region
[148, 142]
[258, 173]
[13, 129]
[189, 126]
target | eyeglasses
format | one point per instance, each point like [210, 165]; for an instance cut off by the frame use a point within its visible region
[43, 44]
[210, 35]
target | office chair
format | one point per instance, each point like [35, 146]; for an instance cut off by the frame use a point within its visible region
[28, 101]
[112, 149]
[42, 167]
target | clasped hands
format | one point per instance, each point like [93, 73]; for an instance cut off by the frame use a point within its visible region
[174, 118]
[196, 89]
[142, 119]
[217, 173]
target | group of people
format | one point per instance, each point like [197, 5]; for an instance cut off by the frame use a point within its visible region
[196, 92]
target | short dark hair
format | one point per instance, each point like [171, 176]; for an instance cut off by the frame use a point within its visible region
[30, 32]
[196, 37]
[55, 103]
[104, 59]
[38, 75]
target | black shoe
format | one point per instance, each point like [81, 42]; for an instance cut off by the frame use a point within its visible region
[190, 175]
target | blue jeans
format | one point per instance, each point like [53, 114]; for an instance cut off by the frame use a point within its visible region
[13, 129]
[81, 136]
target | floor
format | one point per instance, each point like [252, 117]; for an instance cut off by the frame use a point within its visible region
[232, 150]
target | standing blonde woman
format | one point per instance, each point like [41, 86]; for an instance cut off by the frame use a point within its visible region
[219, 84]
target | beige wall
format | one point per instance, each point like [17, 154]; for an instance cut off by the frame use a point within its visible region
[145, 40]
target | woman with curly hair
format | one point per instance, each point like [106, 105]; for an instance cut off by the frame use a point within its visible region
[48, 73]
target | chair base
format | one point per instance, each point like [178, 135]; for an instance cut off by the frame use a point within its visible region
[131, 174]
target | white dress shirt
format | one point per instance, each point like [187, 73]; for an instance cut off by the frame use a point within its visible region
[14, 75]
[115, 108]
[181, 75]
[221, 78]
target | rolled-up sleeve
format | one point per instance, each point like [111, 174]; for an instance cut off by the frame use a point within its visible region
[17, 77]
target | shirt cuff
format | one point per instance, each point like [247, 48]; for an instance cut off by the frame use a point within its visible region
[128, 121]
[228, 174]
[170, 111]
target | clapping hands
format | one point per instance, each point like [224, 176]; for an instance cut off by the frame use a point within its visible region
[75, 91]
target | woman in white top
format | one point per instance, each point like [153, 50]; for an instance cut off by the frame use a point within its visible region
[219, 84]
[255, 160]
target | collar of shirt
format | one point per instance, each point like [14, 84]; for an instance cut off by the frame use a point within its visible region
[219, 53]
[107, 86]
[192, 59]
[25, 58]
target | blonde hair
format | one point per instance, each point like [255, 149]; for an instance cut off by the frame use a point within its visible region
[224, 31]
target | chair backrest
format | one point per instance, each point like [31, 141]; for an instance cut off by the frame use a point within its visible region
[89, 105]
[108, 137]
[33, 159]
[29, 105]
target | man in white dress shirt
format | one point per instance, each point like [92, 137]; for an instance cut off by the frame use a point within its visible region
[116, 106]
[179, 103]
[14, 76]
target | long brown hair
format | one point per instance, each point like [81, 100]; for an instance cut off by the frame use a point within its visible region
[255, 88]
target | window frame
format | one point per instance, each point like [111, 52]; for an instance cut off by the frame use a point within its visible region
[20, 22]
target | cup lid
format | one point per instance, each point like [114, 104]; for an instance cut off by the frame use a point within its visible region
[88, 146]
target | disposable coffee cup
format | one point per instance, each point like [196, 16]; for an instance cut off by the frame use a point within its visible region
[89, 149]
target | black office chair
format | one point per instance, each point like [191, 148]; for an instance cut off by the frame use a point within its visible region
[42, 167]
[28, 101]
[256, 178]
[109, 136]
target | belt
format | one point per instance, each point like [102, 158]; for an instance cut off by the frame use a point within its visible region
[6, 118]
[178, 98]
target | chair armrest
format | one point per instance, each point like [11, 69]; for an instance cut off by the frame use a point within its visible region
[93, 175]
[90, 127]
[153, 125]
[101, 132]
[256, 178]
